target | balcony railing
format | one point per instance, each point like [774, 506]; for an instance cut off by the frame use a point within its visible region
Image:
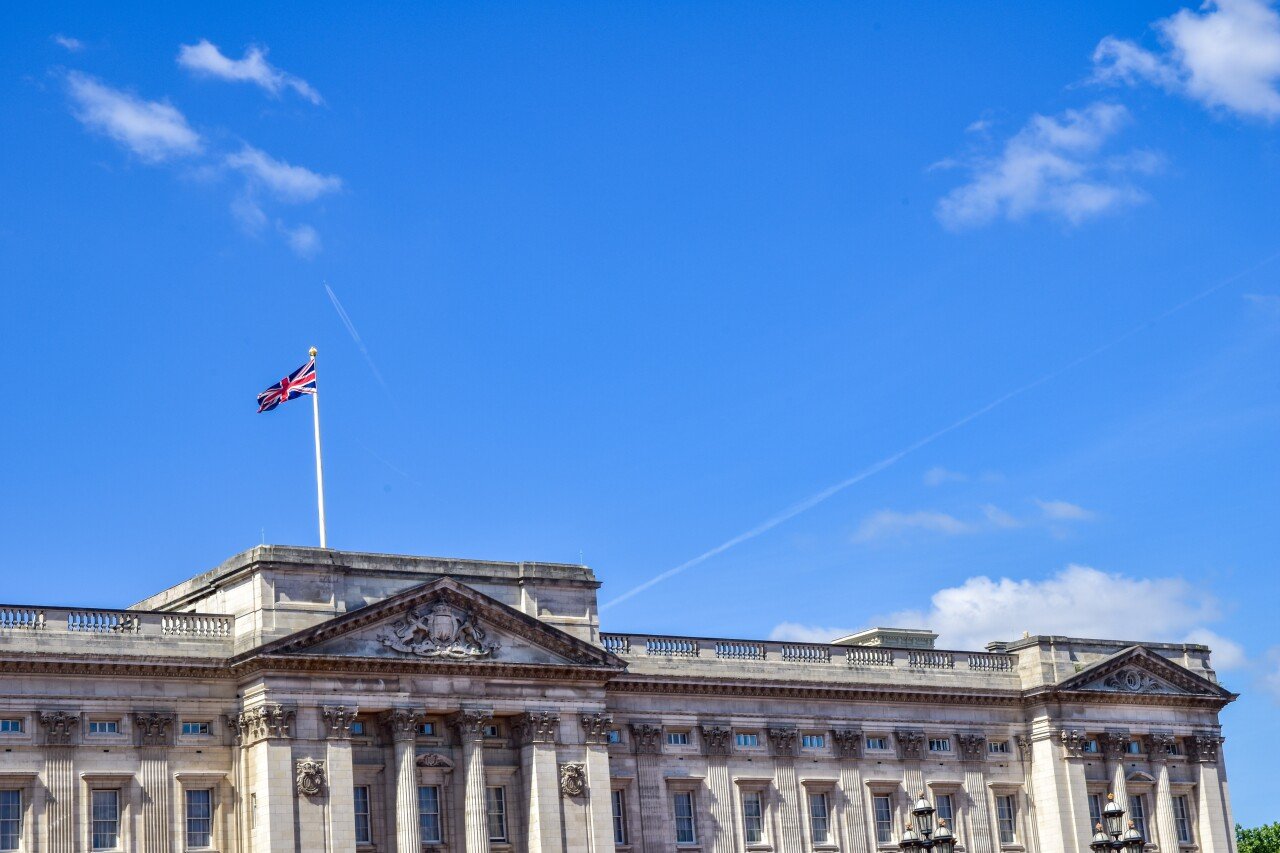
[804, 654]
[19, 620]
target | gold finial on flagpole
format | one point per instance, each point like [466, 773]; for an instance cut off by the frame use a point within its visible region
[312, 351]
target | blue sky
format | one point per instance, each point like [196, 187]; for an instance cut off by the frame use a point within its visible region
[627, 282]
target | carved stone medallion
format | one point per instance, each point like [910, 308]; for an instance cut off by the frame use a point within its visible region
[439, 632]
[310, 777]
[432, 759]
[573, 779]
[1133, 681]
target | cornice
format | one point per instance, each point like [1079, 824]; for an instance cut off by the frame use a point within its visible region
[265, 664]
[56, 664]
[806, 690]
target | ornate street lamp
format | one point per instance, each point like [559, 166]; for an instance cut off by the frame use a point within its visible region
[927, 837]
[1112, 836]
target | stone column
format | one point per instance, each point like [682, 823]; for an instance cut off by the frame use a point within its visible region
[646, 740]
[154, 730]
[595, 736]
[973, 754]
[1025, 754]
[342, 810]
[910, 744]
[783, 742]
[1158, 745]
[402, 724]
[470, 723]
[538, 732]
[848, 743]
[1114, 744]
[60, 779]
[1214, 829]
[716, 741]
[268, 732]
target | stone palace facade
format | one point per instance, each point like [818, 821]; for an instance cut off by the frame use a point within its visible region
[298, 699]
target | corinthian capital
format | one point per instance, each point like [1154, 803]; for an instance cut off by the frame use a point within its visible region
[470, 723]
[402, 723]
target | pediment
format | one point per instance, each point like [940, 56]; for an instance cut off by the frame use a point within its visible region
[443, 622]
[1138, 671]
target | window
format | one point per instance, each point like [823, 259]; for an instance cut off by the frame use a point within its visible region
[199, 818]
[1173, 747]
[364, 832]
[946, 809]
[883, 810]
[819, 822]
[1006, 817]
[877, 743]
[813, 741]
[745, 739]
[1138, 814]
[495, 801]
[104, 727]
[752, 817]
[614, 736]
[1182, 817]
[429, 729]
[105, 820]
[1091, 746]
[429, 813]
[618, 800]
[1095, 810]
[10, 819]
[682, 801]
[195, 728]
[490, 730]
[357, 728]
[939, 744]
[1133, 747]
[998, 747]
[678, 738]
[11, 726]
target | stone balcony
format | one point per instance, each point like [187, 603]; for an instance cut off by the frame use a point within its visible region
[29, 629]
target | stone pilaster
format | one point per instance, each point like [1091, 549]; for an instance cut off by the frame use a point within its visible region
[646, 740]
[716, 746]
[1158, 745]
[783, 741]
[470, 723]
[848, 744]
[402, 725]
[538, 732]
[267, 733]
[341, 815]
[154, 732]
[60, 778]
[1214, 807]
[595, 735]
[973, 756]
[1113, 745]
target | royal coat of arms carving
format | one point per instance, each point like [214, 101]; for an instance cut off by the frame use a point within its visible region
[310, 777]
[439, 632]
[573, 779]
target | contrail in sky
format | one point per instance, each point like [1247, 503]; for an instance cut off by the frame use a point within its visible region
[355, 336]
[892, 459]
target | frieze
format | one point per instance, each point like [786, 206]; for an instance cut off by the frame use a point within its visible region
[471, 722]
[154, 728]
[646, 738]
[310, 777]
[596, 727]
[58, 727]
[573, 779]
[401, 723]
[910, 743]
[973, 747]
[337, 721]
[538, 727]
[783, 740]
[848, 742]
[716, 739]
[440, 632]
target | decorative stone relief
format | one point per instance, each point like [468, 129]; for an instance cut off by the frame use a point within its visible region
[310, 777]
[1024, 747]
[238, 725]
[646, 738]
[596, 727]
[783, 740]
[848, 742]
[58, 726]
[337, 721]
[1203, 747]
[1073, 741]
[973, 747]
[573, 779]
[1159, 744]
[538, 727]
[440, 632]
[910, 743]
[154, 728]
[470, 723]
[1114, 745]
[401, 723]
[264, 721]
[433, 759]
[1134, 681]
[716, 739]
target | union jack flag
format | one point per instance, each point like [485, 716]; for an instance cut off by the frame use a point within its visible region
[301, 381]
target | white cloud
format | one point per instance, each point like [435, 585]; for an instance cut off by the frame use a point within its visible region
[996, 517]
[153, 130]
[1063, 511]
[1226, 55]
[887, 522]
[205, 59]
[72, 44]
[1227, 654]
[286, 182]
[247, 212]
[798, 633]
[1052, 166]
[938, 475]
[302, 239]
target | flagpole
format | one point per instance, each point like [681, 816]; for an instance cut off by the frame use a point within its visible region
[315, 412]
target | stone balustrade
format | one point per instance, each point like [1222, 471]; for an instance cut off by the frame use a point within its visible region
[32, 625]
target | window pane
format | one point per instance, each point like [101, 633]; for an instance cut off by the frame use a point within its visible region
[105, 829]
[1182, 816]
[1005, 815]
[429, 812]
[1095, 810]
[619, 802]
[946, 810]
[685, 833]
[884, 820]
[819, 830]
[496, 803]
[10, 819]
[360, 799]
[199, 818]
[752, 817]
[1138, 814]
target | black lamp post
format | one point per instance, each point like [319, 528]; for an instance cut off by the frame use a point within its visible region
[1112, 836]
[924, 836]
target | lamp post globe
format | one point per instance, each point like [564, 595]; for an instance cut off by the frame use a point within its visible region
[921, 834]
[1113, 816]
[1110, 835]
[923, 812]
[943, 840]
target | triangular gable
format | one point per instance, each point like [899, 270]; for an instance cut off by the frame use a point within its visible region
[441, 621]
[1137, 670]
